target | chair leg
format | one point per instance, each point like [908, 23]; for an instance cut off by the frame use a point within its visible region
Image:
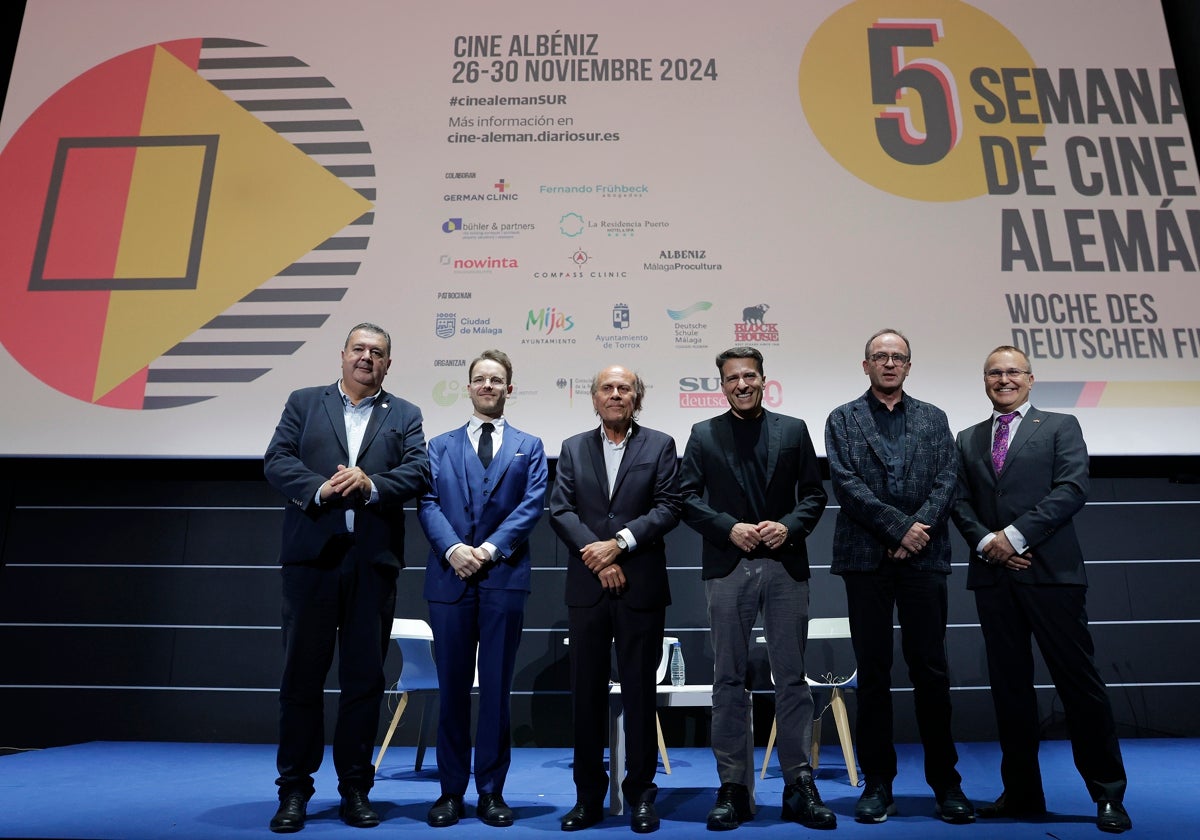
[400, 705]
[843, 727]
[662, 745]
[770, 746]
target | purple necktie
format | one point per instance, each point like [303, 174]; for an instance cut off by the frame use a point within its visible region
[1000, 443]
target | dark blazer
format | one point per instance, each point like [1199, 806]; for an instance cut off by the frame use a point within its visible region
[714, 496]
[308, 445]
[1043, 485]
[871, 519]
[645, 500]
[468, 504]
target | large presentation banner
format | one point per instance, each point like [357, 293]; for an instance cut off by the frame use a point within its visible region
[198, 200]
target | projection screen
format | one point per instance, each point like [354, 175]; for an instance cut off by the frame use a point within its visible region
[200, 199]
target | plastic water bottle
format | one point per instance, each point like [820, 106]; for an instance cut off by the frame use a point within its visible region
[678, 677]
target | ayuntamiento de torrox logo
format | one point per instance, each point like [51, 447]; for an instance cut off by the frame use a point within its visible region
[157, 220]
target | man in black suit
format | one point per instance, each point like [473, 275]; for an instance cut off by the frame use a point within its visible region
[1023, 476]
[894, 470]
[347, 456]
[752, 490]
[615, 497]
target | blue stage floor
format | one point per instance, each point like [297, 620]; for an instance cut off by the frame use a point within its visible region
[161, 790]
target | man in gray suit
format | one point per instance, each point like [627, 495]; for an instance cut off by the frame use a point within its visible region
[1023, 476]
[894, 469]
[752, 490]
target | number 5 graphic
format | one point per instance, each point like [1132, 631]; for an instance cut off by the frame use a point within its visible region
[931, 80]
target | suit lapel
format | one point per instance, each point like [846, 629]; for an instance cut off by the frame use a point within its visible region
[632, 448]
[503, 459]
[774, 442]
[870, 431]
[722, 426]
[457, 450]
[379, 413]
[337, 417]
[1031, 423]
[981, 445]
[595, 449]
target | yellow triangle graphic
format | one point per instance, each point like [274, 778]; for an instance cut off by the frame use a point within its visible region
[270, 205]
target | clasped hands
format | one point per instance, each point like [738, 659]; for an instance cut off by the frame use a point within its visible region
[466, 560]
[1000, 552]
[748, 537]
[913, 542]
[601, 558]
[347, 482]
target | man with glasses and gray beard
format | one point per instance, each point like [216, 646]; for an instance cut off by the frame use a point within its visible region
[894, 469]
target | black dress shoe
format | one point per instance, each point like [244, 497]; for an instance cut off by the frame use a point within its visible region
[643, 819]
[1112, 817]
[290, 816]
[1012, 807]
[802, 804]
[954, 807]
[493, 810]
[356, 810]
[732, 808]
[448, 810]
[582, 816]
[876, 803]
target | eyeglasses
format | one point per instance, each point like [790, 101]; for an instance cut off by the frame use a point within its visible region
[494, 381]
[881, 358]
[996, 373]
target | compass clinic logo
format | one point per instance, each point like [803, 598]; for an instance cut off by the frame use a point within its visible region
[168, 234]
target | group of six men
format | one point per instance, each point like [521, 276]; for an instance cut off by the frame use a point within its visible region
[349, 455]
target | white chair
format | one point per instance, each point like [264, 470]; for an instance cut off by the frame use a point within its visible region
[663, 665]
[660, 674]
[826, 628]
[418, 677]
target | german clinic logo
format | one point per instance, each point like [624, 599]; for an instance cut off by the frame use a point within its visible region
[166, 234]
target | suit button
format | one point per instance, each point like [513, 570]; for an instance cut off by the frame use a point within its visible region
[612, 516]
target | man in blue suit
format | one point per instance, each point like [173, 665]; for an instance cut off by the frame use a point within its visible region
[894, 470]
[616, 496]
[1023, 476]
[347, 456]
[752, 489]
[488, 491]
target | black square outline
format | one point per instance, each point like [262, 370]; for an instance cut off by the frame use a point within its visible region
[39, 283]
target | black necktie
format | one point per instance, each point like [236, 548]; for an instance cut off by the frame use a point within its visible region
[485, 444]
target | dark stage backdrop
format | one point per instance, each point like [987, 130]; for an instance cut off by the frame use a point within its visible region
[140, 600]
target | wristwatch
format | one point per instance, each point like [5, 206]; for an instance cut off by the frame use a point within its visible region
[621, 544]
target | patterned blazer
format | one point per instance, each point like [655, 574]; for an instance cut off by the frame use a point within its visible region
[872, 518]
